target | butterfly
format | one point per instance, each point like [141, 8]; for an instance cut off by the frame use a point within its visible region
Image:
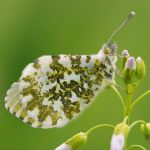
[53, 90]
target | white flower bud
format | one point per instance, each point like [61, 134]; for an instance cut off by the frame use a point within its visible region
[121, 131]
[117, 142]
[129, 70]
[64, 146]
[125, 53]
[130, 64]
[125, 56]
[74, 142]
[140, 68]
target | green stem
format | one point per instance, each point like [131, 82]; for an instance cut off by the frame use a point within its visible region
[140, 98]
[136, 146]
[136, 122]
[130, 92]
[130, 88]
[128, 106]
[98, 126]
[119, 95]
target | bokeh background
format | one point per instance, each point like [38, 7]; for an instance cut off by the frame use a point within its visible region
[31, 28]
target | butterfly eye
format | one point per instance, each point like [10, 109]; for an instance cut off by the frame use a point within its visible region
[107, 50]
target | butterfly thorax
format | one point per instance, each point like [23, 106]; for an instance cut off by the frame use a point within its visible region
[108, 54]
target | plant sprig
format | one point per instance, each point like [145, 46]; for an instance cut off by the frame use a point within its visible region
[132, 74]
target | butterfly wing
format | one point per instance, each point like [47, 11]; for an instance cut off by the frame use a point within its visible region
[55, 89]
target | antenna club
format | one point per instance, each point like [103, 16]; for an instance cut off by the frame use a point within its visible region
[132, 14]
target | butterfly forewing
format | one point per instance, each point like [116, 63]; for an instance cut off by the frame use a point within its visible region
[55, 89]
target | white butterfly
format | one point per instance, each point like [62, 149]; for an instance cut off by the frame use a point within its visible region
[55, 89]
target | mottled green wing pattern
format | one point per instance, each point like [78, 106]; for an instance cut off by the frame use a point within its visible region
[55, 89]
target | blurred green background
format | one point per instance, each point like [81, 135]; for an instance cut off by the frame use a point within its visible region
[31, 28]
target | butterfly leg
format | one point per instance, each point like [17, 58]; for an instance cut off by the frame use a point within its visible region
[115, 85]
[118, 72]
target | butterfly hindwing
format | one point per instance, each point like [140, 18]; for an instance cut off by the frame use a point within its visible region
[55, 89]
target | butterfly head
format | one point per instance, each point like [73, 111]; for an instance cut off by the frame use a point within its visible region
[108, 52]
[110, 48]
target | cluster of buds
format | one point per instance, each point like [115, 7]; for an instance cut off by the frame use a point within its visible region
[74, 143]
[145, 128]
[119, 136]
[132, 69]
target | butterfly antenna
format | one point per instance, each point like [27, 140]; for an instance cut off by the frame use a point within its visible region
[126, 20]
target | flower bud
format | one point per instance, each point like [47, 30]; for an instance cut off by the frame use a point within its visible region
[119, 136]
[64, 146]
[140, 68]
[130, 64]
[125, 56]
[122, 128]
[129, 70]
[145, 128]
[74, 142]
[117, 142]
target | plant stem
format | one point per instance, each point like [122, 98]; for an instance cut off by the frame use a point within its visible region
[119, 95]
[140, 98]
[131, 88]
[135, 123]
[130, 92]
[128, 106]
[98, 126]
[136, 146]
